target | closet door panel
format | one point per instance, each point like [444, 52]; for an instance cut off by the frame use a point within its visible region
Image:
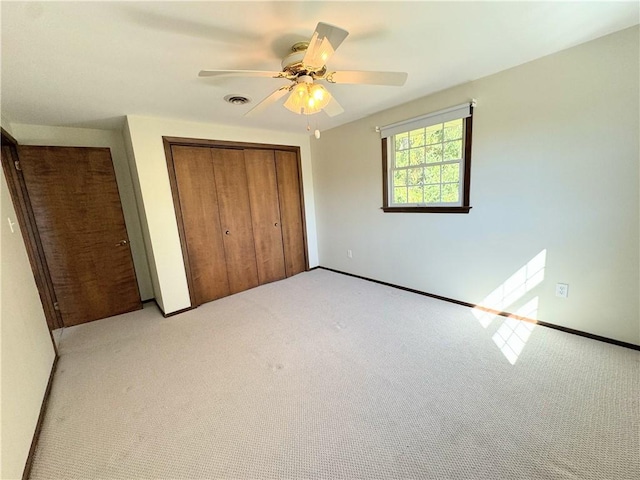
[265, 214]
[235, 218]
[290, 194]
[199, 205]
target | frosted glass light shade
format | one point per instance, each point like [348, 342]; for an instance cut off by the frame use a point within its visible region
[307, 99]
[297, 98]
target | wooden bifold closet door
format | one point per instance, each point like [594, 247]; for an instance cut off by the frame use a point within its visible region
[235, 218]
[290, 211]
[265, 214]
[241, 216]
[201, 218]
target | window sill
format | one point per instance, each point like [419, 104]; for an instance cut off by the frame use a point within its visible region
[426, 209]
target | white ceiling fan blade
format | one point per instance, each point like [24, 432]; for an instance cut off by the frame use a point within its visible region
[267, 102]
[239, 73]
[324, 42]
[396, 79]
[333, 108]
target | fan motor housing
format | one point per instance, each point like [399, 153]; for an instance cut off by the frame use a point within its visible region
[293, 65]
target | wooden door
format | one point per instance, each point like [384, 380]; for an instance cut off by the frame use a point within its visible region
[235, 218]
[291, 211]
[265, 214]
[24, 213]
[76, 205]
[199, 206]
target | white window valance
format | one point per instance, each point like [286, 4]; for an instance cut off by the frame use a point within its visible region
[441, 116]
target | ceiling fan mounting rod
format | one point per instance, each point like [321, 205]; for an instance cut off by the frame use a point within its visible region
[300, 47]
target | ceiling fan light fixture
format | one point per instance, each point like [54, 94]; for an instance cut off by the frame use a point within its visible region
[305, 64]
[319, 93]
[307, 98]
[300, 90]
[296, 100]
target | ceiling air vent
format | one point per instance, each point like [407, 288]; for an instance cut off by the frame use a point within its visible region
[237, 99]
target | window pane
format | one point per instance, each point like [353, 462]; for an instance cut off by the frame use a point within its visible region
[453, 150]
[432, 193]
[415, 195]
[402, 141]
[433, 174]
[399, 178]
[434, 134]
[453, 130]
[400, 195]
[415, 176]
[450, 192]
[416, 138]
[451, 173]
[416, 156]
[426, 165]
[402, 159]
[434, 153]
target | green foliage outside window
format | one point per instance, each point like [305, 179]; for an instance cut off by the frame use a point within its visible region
[427, 162]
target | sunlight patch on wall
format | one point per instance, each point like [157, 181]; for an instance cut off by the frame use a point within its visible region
[513, 334]
[521, 282]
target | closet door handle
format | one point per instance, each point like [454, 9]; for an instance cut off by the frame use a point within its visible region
[275, 224]
[121, 243]
[227, 232]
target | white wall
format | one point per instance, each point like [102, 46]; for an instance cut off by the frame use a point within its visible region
[143, 136]
[555, 168]
[6, 124]
[87, 137]
[26, 349]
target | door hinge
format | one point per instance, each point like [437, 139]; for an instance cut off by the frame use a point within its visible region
[56, 306]
[17, 164]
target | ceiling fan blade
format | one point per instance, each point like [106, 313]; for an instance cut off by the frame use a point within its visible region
[324, 42]
[333, 108]
[267, 102]
[396, 79]
[239, 73]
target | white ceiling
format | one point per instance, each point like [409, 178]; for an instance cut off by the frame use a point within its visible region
[90, 63]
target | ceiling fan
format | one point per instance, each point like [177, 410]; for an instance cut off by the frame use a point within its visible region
[304, 66]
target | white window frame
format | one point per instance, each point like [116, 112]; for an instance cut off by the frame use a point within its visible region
[388, 134]
[391, 169]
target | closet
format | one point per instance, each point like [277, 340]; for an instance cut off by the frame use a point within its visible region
[240, 214]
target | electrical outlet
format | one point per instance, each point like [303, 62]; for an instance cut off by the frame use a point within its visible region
[562, 290]
[349, 254]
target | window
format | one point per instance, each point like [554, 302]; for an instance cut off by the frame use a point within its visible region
[427, 162]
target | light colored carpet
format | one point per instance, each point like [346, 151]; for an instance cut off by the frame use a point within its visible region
[326, 376]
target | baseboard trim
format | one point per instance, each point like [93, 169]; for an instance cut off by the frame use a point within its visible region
[36, 434]
[495, 312]
[177, 312]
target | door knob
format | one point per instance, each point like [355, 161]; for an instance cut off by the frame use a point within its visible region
[275, 224]
[121, 243]
[227, 232]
